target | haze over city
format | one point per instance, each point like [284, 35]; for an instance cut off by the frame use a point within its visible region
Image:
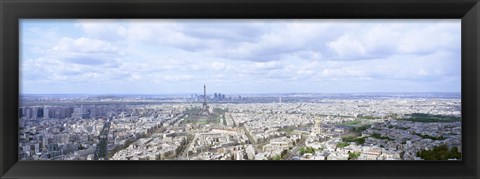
[239, 56]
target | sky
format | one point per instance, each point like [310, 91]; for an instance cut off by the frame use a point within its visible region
[239, 56]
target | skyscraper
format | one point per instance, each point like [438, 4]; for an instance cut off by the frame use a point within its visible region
[46, 112]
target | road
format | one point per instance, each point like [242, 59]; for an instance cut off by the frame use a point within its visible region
[102, 150]
[183, 154]
[295, 149]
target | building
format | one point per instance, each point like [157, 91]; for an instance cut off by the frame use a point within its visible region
[46, 112]
[317, 127]
[78, 113]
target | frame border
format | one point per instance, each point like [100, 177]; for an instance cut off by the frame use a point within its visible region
[13, 10]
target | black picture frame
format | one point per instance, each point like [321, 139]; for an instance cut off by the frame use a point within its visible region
[13, 10]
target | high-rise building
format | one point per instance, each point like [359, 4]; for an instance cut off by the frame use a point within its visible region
[39, 113]
[46, 112]
[94, 112]
[68, 112]
[34, 113]
[21, 112]
[80, 113]
[57, 113]
[28, 113]
[63, 113]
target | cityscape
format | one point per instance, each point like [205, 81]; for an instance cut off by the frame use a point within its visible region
[240, 89]
[390, 126]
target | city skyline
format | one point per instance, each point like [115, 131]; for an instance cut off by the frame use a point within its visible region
[239, 56]
[241, 128]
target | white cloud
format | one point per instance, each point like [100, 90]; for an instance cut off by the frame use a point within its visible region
[348, 47]
[85, 45]
[103, 29]
[298, 55]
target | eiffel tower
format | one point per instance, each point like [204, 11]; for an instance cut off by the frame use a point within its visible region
[205, 111]
[204, 106]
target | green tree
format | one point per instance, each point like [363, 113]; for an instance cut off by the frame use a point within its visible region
[305, 150]
[342, 144]
[358, 140]
[353, 155]
[277, 157]
[378, 136]
[440, 152]
[284, 152]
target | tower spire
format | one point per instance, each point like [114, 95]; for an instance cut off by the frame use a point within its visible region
[204, 106]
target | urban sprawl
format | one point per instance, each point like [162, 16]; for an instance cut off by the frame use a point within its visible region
[402, 126]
